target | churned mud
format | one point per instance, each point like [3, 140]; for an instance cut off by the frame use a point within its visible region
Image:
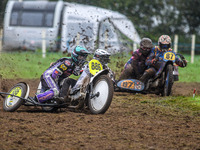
[129, 123]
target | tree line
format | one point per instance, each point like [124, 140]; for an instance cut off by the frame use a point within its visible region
[151, 18]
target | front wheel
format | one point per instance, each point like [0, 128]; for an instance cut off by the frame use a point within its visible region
[12, 103]
[103, 89]
[169, 80]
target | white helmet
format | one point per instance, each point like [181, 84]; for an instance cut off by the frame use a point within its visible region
[164, 42]
[102, 56]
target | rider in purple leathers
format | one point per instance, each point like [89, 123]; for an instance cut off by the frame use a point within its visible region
[59, 70]
[135, 67]
[154, 60]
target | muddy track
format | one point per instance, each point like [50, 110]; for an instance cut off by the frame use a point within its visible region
[128, 124]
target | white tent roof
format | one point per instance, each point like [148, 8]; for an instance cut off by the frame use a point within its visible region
[96, 14]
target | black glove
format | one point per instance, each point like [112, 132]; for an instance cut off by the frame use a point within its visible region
[181, 56]
[184, 63]
[154, 61]
[77, 70]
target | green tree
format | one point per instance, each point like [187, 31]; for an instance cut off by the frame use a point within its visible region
[2, 11]
[190, 15]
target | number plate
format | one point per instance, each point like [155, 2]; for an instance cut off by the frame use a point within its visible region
[13, 100]
[16, 91]
[95, 66]
[131, 84]
[169, 56]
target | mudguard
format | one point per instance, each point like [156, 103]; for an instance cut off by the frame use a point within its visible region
[28, 89]
[131, 84]
[104, 71]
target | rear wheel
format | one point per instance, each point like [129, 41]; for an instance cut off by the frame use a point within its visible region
[169, 80]
[12, 103]
[103, 89]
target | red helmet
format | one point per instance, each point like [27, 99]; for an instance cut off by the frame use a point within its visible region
[164, 42]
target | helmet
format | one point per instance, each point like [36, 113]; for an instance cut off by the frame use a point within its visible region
[79, 55]
[145, 46]
[164, 42]
[102, 56]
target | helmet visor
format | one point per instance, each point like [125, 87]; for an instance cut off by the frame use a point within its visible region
[146, 48]
[81, 57]
[164, 46]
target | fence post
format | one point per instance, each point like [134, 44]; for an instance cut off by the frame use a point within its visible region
[176, 43]
[1, 37]
[134, 46]
[193, 48]
[43, 43]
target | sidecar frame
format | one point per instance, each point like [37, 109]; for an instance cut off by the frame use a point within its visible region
[30, 102]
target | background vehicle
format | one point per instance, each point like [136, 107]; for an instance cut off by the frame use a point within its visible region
[64, 25]
[161, 83]
[25, 22]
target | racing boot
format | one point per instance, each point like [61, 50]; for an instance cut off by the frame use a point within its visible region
[74, 91]
[61, 100]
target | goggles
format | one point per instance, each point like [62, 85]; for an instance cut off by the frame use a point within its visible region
[164, 46]
[146, 48]
[81, 57]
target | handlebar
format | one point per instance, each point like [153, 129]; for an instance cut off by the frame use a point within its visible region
[181, 56]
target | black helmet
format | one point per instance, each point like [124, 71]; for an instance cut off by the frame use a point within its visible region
[79, 55]
[102, 56]
[146, 46]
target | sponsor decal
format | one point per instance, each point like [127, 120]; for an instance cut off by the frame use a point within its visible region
[67, 62]
[63, 67]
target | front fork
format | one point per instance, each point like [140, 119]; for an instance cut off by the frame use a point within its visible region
[91, 93]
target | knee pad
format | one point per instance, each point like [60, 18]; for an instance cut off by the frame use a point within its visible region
[151, 71]
[55, 91]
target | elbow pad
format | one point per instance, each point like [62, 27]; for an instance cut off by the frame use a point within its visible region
[55, 74]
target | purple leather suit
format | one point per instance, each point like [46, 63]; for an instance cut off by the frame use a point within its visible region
[52, 77]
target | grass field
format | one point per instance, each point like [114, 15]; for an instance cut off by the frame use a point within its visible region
[32, 65]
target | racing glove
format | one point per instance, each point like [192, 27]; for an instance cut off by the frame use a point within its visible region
[184, 63]
[154, 61]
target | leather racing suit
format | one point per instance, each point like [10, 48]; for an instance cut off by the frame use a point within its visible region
[135, 66]
[52, 77]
